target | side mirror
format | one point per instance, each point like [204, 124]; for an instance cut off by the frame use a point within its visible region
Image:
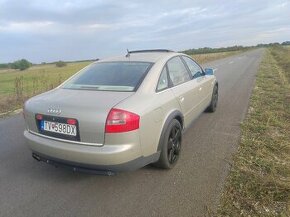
[208, 71]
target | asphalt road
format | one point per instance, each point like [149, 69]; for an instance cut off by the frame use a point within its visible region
[30, 188]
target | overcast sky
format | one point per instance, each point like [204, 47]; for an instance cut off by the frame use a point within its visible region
[53, 30]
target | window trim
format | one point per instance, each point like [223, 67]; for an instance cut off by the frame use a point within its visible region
[168, 79]
[139, 83]
[202, 71]
[143, 77]
[190, 77]
[170, 83]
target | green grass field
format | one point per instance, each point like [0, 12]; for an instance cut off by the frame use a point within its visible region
[259, 180]
[47, 75]
[16, 86]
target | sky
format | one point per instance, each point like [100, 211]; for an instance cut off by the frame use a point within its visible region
[52, 30]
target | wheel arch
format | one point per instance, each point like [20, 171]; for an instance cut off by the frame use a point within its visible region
[173, 115]
[216, 84]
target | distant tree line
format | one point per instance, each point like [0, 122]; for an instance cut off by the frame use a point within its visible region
[25, 64]
[19, 64]
[232, 48]
[212, 50]
[286, 43]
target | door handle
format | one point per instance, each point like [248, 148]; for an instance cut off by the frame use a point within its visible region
[181, 99]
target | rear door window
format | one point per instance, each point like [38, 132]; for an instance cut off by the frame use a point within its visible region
[177, 71]
[163, 80]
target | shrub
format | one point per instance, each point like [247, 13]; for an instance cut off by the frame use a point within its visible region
[60, 64]
[4, 66]
[21, 64]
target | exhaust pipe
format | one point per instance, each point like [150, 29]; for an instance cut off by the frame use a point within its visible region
[35, 156]
[74, 168]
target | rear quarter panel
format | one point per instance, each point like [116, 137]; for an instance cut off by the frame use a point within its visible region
[153, 110]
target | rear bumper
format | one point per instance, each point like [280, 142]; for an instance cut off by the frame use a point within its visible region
[114, 158]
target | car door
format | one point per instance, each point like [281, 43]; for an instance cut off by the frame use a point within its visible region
[183, 88]
[202, 81]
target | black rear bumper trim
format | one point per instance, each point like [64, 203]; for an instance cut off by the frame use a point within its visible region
[98, 169]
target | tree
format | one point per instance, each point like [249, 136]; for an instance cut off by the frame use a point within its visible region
[286, 43]
[60, 64]
[21, 64]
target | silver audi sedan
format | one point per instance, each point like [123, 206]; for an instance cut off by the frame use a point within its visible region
[121, 113]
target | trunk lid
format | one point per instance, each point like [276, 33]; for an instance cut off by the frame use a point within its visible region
[89, 107]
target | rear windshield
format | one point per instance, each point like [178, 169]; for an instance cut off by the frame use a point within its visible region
[110, 76]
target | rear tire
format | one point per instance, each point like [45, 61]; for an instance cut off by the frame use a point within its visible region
[171, 146]
[214, 100]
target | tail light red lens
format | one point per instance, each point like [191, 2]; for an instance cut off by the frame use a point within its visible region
[71, 121]
[39, 117]
[119, 121]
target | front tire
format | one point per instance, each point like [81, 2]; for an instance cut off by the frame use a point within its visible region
[171, 146]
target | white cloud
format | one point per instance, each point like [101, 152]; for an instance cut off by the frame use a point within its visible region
[268, 34]
[97, 26]
[283, 4]
[24, 26]
[76, 29]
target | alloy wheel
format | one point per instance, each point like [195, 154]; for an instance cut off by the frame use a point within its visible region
[174, 144]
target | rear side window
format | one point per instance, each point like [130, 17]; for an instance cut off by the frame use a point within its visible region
[163, 80]
[177, 71]
[110, 76]
[195, 69]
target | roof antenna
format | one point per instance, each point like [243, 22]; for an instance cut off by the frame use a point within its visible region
[128, 53]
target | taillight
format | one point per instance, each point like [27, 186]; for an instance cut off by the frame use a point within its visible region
[71, 121]
[39, 117]
[119, 121]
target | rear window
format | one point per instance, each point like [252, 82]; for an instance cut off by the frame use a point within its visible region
[110, 76]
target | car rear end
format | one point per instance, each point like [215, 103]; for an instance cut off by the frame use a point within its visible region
[79, 124]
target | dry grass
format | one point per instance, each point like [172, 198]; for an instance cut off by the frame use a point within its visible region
[203, 58]
[259, 180]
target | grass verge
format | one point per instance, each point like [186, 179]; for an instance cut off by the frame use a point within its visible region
[259, 180]
[203, 58]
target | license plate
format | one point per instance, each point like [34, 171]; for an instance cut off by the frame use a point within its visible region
[66, 129]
